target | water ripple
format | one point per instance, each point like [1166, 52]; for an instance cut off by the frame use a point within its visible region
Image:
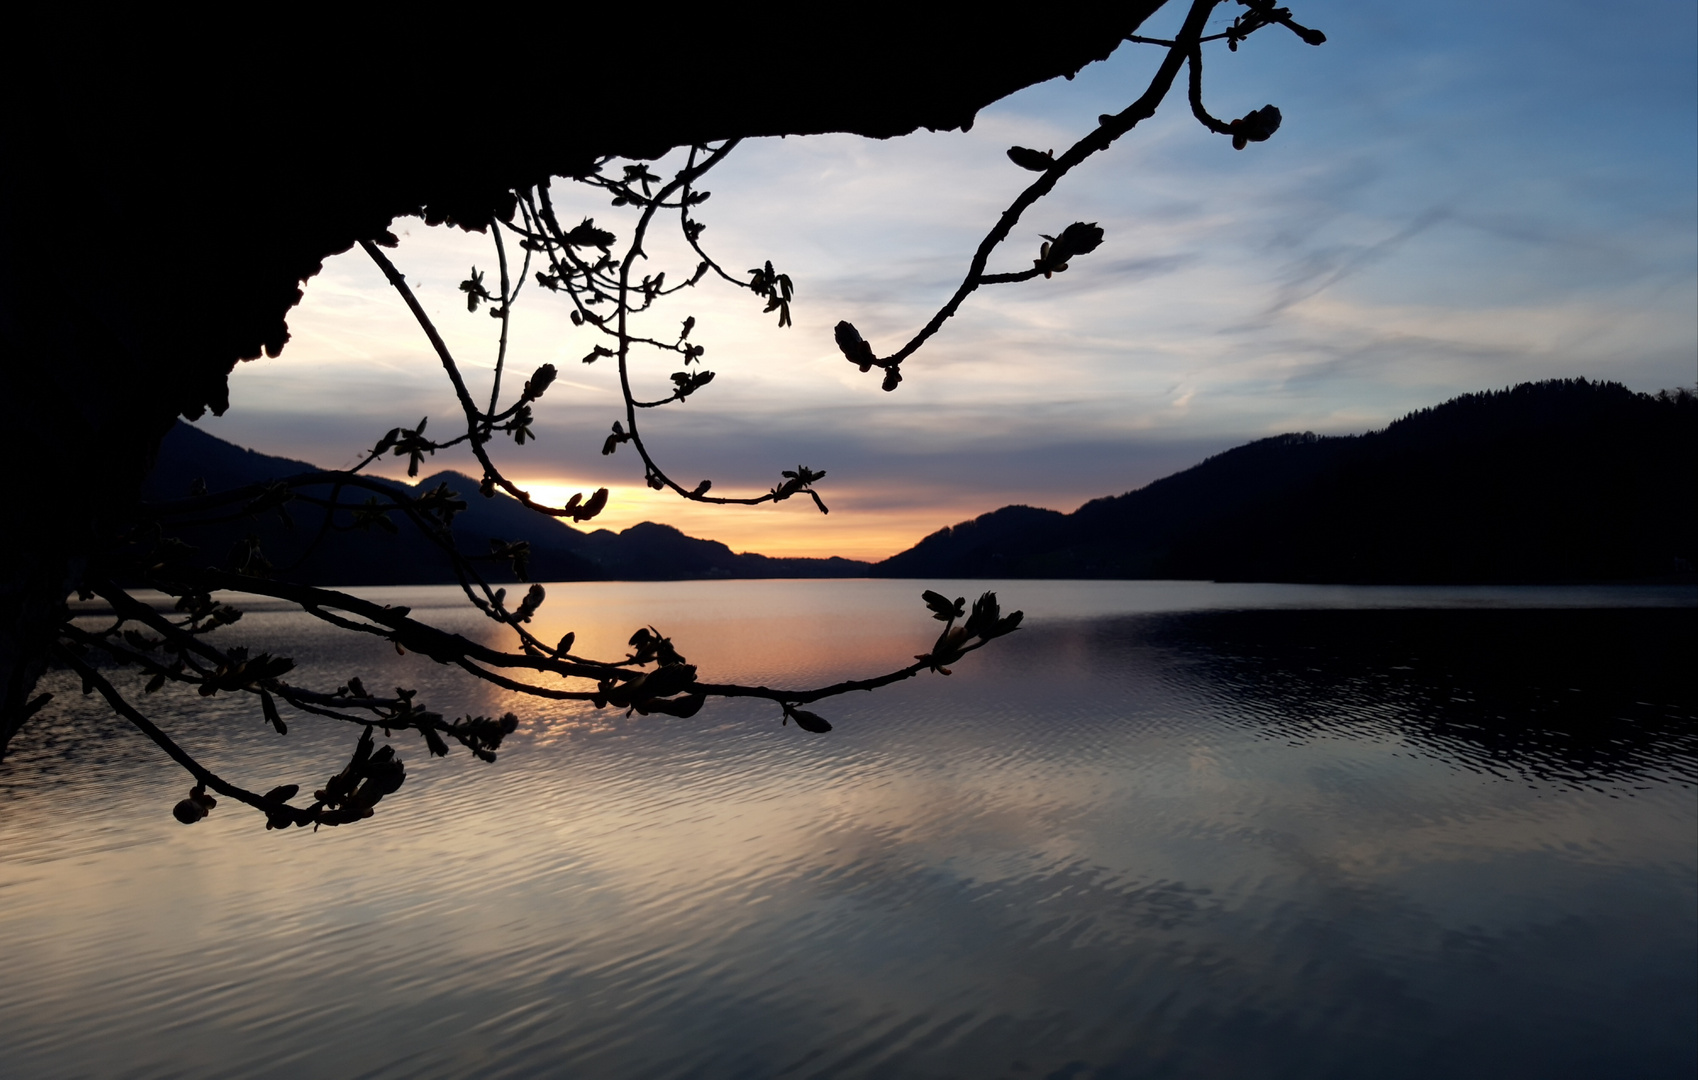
[1179, 830]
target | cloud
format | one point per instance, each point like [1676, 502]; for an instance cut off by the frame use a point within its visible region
[1440, 213]
[1320, 269]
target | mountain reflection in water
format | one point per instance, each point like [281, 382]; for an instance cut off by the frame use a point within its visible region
[1166, 829]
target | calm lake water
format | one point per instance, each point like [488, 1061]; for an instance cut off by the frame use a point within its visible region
[1165, 830]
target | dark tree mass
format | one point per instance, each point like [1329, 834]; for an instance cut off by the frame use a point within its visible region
[170, 189]
[167, 184]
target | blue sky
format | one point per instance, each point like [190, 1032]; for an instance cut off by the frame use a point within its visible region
[1461, 197]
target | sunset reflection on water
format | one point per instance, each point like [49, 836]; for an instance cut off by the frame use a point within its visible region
[1167, 827]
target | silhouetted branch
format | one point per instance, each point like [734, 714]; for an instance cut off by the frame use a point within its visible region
[204, 777]
[1185, 46]
[579, 513]
[653, 678]
[669, 688]
[1109, 128]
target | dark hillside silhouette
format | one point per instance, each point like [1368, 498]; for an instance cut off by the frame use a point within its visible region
[1566, 480]
[376, 556]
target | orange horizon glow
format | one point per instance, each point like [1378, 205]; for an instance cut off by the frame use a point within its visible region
[855, 528]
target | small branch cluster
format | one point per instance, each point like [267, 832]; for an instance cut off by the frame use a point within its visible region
[172, 649]
[984, 625]
[1081, 238]
[580, 264]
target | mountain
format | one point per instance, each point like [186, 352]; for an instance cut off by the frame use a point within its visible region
[1566, 480]
[376, 556]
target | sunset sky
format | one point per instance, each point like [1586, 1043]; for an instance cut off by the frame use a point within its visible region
[1462, 197]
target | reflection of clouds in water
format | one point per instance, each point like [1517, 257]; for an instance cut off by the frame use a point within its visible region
[1130, 835]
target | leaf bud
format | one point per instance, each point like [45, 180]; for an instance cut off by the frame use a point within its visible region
[666, 681]
[529, 605]
[539, 381]
[593, 506]
[808, 721]
[854, 347]
[1079, 238]
[587, 235]
[1035, 160]
[433, 741]
[1257, 125]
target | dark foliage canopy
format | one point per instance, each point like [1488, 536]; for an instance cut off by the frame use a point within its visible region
[169, 181]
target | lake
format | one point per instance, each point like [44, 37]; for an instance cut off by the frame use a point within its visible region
[1167, 829]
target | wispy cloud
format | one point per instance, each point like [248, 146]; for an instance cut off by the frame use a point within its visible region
[1320, 269]
[1440, 213]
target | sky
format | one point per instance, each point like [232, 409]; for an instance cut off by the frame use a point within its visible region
[1462, 197]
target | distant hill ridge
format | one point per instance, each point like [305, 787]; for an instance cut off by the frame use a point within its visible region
[1565, 480]
[644, 552]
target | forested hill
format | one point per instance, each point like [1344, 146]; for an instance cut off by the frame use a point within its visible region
[1566, 480]
[376, 556]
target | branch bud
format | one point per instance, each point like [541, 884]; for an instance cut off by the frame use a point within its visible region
[540, 381]
[1035, 160]
[1257, 125]
[854, 347]
[807, 721]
